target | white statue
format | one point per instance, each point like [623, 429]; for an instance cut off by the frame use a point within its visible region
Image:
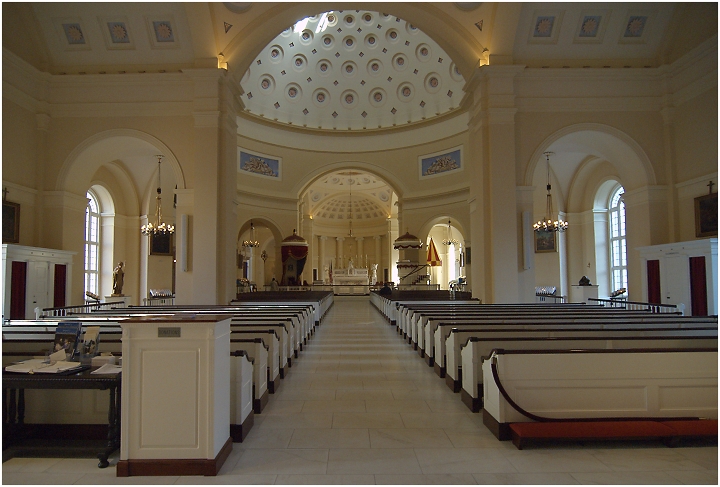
[326, 274]
[351, 267]
[373, 276]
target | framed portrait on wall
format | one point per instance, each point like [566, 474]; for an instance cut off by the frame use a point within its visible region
[545, 241]
[161, 244]
[706, 216]
[10, 222]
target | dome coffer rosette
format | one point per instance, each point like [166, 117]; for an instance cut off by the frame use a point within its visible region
[351, 70]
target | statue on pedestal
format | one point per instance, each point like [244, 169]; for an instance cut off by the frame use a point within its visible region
[373, 276]
[118, 279]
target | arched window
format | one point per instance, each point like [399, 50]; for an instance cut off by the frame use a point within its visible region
[618, 242]
[92, 243]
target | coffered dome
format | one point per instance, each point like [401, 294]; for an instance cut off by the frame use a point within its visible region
[351, 70]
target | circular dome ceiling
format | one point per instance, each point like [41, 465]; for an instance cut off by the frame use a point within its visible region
[350, 195]
[351, 70]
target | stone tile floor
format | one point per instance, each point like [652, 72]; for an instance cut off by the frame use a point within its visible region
[359, 406]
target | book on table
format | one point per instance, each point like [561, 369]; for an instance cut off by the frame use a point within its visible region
[67, 336]
[42, 366]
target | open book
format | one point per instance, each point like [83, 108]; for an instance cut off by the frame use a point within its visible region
[40, 366]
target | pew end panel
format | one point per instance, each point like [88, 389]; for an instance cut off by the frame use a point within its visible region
[600, 384]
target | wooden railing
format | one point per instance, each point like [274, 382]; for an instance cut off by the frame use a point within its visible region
[636, 305]
[81, 308]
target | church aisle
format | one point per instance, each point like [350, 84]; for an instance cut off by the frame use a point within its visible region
[359, 406]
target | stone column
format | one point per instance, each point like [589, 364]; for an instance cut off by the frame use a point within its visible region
[360, 252]
[493, 153]
[321, 257]
[378, 255]
[339, 252]
[214, 140]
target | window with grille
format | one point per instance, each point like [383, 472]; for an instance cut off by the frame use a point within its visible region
[92, 244]
[618, 242]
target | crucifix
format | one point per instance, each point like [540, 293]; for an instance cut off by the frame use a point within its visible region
[709, 185]
[5, 192]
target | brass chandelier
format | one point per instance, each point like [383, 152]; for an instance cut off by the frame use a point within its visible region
[253, 242]
[159, 227]
[547, 224]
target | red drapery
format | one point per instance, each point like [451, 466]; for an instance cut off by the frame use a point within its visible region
[698, 286]
[17, 290]
[59, 288]
[653, 281]
[295, 251]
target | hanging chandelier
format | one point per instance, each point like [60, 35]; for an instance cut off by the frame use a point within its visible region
[159, 227]
[253, 242]
[547, 224]
[450, 240]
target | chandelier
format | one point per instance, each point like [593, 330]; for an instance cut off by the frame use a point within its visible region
[253, 242]
[159, 227]
[450, 240]
[547, 224]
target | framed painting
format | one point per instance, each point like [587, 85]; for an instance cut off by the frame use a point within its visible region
[10, 222]
[161, 244]
[706, 216]
[545, 241]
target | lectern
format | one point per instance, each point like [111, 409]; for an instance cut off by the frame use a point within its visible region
[175, 408]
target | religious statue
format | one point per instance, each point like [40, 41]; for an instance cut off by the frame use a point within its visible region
[351, 267]
[118, 279]
[373, 276]
[326, 274]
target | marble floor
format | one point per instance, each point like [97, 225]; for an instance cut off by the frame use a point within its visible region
[359, 406]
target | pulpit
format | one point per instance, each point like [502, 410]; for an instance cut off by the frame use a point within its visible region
[175, 396]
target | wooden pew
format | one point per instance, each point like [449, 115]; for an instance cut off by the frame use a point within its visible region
[241, 388]
[476, 351]
[257, 351]
[660, 384]
[450, 337]
[437, 329]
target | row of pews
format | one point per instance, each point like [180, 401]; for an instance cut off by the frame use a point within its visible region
[546, 367]
[268, 332]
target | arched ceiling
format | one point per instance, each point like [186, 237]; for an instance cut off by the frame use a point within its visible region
[351, 70]
[349, 194]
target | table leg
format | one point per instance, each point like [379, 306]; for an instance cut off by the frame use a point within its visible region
[112, 431]
[13, 407]
[21, 406]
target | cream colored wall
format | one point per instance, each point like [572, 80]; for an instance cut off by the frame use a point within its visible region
[538, 111]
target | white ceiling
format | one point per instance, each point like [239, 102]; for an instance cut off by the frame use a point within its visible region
[351, 70]
[349, 195]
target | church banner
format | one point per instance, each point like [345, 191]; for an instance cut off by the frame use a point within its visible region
[440, 163]
[259, 164]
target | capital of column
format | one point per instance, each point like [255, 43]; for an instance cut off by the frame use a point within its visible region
[377, 237]
[359, 239]
[340, 239]
[322, 237]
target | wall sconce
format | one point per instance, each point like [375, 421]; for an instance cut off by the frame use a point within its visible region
[264, 256]
[222, 64]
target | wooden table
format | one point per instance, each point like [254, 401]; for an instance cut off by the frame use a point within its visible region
[14, 385]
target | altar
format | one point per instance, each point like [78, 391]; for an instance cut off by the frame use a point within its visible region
[351, 281]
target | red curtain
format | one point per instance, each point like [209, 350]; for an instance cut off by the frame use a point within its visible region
[295, 251]
[60, 281]
[698, 286]
[18, 282]
[653, 281]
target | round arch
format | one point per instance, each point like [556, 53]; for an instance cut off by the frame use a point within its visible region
[267, 222]
[303, 186]
[103, 149]
[602, 141]
[426, 227]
